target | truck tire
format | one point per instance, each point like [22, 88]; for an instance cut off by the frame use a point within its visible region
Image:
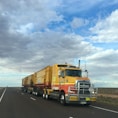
[62, 98]
[43, 95]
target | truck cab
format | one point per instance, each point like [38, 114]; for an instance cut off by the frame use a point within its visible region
[71, 87]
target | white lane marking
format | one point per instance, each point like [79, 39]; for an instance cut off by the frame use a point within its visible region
[109, 110]
[2, 95]
[73, 117]
[32, 98]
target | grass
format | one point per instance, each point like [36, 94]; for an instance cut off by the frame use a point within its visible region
[108, 100]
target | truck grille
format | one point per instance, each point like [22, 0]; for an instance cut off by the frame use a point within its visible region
[84, 91]
[84, 87]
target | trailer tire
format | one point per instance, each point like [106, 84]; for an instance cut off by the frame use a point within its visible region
[62, 98]
[36, 93]
[47, 96]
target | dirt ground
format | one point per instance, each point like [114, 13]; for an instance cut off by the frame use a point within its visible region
[108, 95]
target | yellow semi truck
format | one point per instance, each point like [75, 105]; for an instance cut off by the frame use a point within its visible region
[63, 82]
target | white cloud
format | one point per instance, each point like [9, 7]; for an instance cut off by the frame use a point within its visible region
[105, 56]
[106, 30]
[99, 83]
[38, 13]
[78, 22]
[59, 47]
[103, 67]
[25, 29]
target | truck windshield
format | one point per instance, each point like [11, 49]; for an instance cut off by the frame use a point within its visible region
[74, 73]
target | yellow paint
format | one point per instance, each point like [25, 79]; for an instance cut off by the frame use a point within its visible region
[93, 99]
[73, 98]
[88, 99]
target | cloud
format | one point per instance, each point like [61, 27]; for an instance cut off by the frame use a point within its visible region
[106, 30]
[27, 43]
[99, 83]
[78, 22]
[103, 65]
[57, 47]
[79, 6]
[4, 24]
[42, 48]
[86, 7]
[22, 14]
[105, 56]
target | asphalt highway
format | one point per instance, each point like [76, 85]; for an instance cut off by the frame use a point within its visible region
[16, 104]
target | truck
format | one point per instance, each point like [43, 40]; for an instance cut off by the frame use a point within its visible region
[63, 82]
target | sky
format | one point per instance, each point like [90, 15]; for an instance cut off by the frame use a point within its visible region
[37, 33]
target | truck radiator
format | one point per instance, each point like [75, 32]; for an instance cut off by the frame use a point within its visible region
[84, 88]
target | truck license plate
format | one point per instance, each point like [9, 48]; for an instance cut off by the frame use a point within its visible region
[83, 102]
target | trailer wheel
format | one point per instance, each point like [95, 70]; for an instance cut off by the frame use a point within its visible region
[46, 96]
[62, 98]
[43, 96]
[36, 93]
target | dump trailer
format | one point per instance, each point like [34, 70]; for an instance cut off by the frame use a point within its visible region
[65, 83]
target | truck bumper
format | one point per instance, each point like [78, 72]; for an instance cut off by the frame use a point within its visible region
[82, 100]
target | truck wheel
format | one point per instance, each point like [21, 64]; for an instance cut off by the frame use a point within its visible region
[44, 95]
[62, 99]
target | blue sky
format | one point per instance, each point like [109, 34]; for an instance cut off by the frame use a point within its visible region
[36, 33]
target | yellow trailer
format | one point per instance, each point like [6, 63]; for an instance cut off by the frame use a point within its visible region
[42, 79]
[27, 83]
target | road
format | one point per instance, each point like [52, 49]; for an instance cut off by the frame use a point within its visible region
[15, 104]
